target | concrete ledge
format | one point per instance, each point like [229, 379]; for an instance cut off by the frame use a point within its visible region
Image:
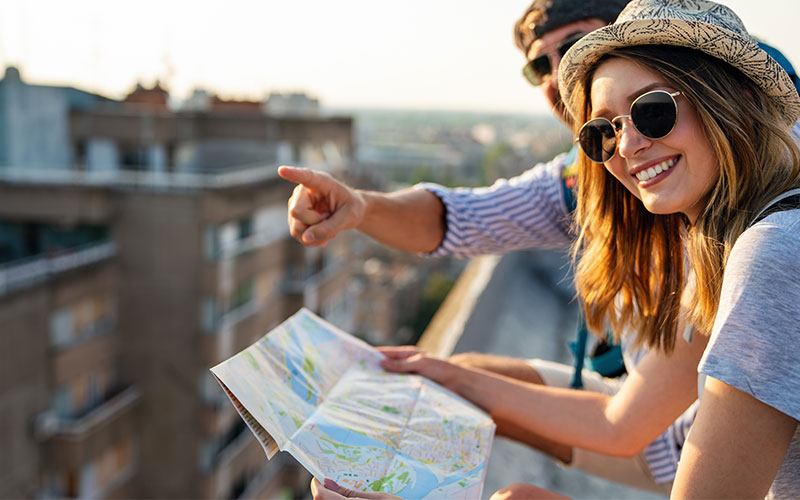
[445, 329]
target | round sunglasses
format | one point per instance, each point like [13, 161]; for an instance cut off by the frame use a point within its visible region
[539, 69]
[654, 114]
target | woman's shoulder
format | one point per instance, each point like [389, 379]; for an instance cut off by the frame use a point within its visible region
[755, 341]
[769, 238]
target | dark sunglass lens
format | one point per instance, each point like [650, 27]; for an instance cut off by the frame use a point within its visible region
[598, 140]
[654, 114]
[540, 67]
[530, 75]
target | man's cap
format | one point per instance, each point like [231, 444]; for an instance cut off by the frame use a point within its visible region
[546, 15]
[701, 25]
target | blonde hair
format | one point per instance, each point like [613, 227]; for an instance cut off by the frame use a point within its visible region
[630, 263]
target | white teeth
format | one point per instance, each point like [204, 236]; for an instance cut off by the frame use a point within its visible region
[653, 171]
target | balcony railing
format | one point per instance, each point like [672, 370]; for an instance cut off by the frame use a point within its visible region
[252, 242]
[219, 321]
[227, 447]
[31, 271]
[138, 179]
[49, 424]
[96, 329]
[298, 283]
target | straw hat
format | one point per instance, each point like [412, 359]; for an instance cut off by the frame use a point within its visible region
[697, 24]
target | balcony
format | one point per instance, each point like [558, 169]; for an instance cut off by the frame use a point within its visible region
[310, 283]
[34, 270]
[139, 179]
[229, 462]
[247, 244]
[48, 425]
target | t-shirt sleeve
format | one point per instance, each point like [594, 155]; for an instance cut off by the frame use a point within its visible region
[755, 342]
[527, 211]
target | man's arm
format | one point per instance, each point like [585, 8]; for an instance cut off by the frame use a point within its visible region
[526, 211]
[651, 398]
[320, 207]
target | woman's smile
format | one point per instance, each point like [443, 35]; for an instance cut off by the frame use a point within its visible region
[653, 172]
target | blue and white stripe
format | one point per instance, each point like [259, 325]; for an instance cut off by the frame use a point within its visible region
[527, 211]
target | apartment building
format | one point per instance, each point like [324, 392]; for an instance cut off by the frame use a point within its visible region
[129, 267]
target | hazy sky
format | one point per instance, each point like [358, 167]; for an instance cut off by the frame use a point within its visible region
[443, 54]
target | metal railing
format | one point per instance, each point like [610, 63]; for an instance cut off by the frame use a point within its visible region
[23, 273]
[235, 176]
[48, 424]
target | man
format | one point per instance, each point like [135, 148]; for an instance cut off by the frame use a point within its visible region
[528, 211]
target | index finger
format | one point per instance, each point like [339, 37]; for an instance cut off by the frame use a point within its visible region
[300, 175]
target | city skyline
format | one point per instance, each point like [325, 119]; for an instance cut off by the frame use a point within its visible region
[444, 55]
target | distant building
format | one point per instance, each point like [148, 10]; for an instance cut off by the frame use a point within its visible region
[291, 104]
[200, 100]
[156, 140]
[133, 257]
[155, 98]
[115, 299]
[139, 246]
[235, 106]
[35, 121]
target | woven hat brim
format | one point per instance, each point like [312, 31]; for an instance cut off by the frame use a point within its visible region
[740, 52]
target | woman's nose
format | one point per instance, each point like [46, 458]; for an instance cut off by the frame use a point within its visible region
[630, 141]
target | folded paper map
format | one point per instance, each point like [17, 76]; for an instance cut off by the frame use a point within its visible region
[320, 394]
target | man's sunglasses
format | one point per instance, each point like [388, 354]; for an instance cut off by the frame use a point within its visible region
[654, 114]
[538, 69]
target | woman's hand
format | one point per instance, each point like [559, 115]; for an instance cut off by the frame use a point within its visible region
[409, 359]
[332, 491]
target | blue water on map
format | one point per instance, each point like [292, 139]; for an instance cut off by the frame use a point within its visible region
[295, 359]
[425, 480]
[300, 386]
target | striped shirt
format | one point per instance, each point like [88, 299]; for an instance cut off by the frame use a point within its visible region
[529, 211]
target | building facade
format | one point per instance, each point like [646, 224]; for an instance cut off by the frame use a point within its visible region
[132, 259]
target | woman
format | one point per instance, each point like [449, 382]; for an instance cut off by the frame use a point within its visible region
[693, 149]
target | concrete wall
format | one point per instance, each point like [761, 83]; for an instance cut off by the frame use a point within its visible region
[34, 124]
[23, 389]
[160, 252]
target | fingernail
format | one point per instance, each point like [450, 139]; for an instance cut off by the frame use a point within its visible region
[330, 484]
[309, 238]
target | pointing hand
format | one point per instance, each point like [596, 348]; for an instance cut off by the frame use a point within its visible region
[320, 206]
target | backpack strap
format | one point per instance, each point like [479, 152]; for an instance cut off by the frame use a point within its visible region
[578, 349]
[787, 201]
[569, 177]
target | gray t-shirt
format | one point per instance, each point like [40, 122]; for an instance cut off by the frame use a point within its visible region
[755, 343]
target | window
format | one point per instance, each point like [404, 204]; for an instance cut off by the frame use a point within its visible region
[245, 227]
[82, 319]
[61, 401]
[61, 327]
[210, 390]
[266, 286]
[242, 295]
[210, 243]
